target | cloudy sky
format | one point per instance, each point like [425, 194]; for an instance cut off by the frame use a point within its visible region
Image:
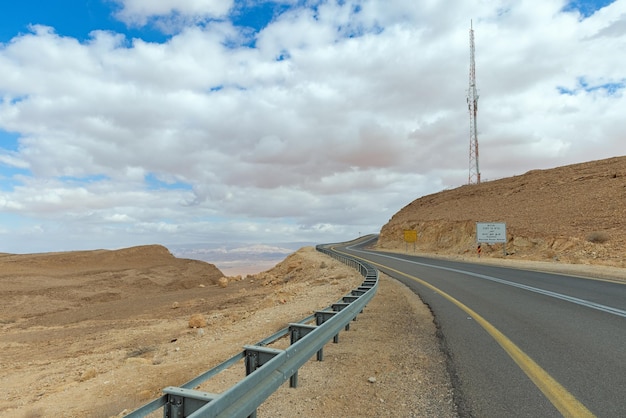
[128, 122]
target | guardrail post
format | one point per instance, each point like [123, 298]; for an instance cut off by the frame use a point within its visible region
[323, 316]
[256, 356]
[183, 402]
[338, 307]
[350, 299]
[297, 331]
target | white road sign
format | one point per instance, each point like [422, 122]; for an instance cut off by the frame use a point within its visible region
[490, 233]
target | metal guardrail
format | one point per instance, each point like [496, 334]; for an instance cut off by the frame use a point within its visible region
[268, 368]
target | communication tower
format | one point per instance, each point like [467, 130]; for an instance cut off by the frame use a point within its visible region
[472, 103]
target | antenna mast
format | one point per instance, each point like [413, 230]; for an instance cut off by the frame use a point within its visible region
[472, 103]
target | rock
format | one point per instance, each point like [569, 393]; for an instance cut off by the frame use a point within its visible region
[294, 265]
[372, 380]
[175, 305]
[197, 321]
[88, 374]
[522, 242]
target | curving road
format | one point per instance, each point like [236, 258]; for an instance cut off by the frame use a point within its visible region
[522, 343]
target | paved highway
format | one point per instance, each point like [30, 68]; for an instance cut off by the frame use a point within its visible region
[522, 343]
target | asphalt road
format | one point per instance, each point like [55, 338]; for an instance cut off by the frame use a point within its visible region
[522, 343]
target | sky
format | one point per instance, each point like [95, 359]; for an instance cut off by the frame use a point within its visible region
[131, 122]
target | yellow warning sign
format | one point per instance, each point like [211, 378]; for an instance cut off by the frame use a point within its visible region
[410, 235]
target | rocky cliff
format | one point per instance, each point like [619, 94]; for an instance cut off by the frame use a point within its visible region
[572, 214]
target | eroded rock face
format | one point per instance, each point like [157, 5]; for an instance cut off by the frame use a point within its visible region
[573, 214]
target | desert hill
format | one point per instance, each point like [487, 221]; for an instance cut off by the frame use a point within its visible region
[70, 286]
[572, 214]
[94, 260]
[110, 329]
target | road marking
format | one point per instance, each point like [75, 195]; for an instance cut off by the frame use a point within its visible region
[572, 299]
[578, 301]
[562, 400]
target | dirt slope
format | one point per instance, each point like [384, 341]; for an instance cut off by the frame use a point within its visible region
[96, 333]
[571, 214]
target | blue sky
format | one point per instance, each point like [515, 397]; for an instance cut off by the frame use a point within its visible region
[77, 18]
[586, 8]
[128, 122]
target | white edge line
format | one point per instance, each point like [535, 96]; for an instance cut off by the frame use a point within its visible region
[582, 302]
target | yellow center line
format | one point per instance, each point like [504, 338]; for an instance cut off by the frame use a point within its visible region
[564, 401]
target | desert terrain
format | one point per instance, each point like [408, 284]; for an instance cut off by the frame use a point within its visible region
[574, 214]
[100, 333]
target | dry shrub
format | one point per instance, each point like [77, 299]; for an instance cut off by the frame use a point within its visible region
[222, 282]
[598, 237]
[197, 321]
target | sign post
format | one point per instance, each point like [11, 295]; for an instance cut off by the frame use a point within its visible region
[410, 235]
[491, 233]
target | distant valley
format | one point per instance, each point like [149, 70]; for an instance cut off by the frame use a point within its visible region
[238, 258]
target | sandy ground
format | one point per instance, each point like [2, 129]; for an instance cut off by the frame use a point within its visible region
[100, 333]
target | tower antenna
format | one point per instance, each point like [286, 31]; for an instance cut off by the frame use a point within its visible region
[472, 103]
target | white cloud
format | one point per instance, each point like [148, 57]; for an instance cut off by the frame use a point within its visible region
[171, 14]
[336, 118]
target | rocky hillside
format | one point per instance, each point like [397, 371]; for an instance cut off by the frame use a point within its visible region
[572, 214]
[146, 265]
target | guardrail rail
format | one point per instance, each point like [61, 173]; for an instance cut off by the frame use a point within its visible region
[268, 368]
